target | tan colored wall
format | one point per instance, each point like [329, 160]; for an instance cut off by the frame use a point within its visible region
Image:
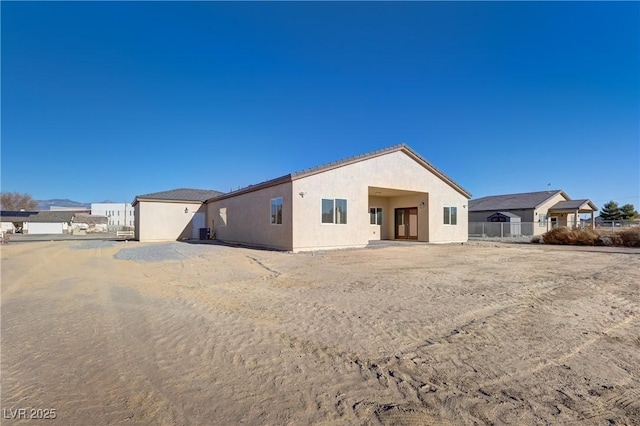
[393, 170]
[381, 232]
[544, 209]
[164, 220]
[248, 218]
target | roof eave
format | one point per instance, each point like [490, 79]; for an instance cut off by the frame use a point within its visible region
[163, 200]
[560, 191]
[401, 147]
[251, 188]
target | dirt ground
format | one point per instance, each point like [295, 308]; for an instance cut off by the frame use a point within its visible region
[481, 333]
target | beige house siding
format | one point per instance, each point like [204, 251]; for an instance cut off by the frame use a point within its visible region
[165, 220]
[383, 231]
[246, 218]
[543, 209]
[394, 170]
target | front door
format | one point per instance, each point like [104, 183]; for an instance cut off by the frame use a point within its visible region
[407, 223]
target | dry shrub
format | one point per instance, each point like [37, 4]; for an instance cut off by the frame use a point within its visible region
[630, 237]
[585, 237]
[564, 235]
[558, 235]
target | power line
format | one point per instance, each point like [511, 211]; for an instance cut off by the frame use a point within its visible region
[616, 198]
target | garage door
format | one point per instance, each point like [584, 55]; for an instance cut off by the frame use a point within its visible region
[45, 228]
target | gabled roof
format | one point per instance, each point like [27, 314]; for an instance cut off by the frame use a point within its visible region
[347, 161]
[507, 214]
[90, 219]
[525, 200]
[180, 194]
[574, 205]
[39, 216]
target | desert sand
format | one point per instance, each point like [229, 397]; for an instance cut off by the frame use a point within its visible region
[480, 333]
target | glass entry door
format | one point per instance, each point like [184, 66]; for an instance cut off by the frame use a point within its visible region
[407, 223]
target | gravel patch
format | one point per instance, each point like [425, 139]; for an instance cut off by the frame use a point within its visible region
[162, 251]
[93, 244]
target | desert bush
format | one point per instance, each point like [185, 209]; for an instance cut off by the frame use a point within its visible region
[536, 239]
[585, 237]
[629, 237]
[558, 235]
[564, 235]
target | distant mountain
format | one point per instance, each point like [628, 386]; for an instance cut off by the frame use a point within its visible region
[46, 204]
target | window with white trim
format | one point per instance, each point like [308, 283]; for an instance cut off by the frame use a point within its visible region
[334, 211]
[276, 211]
[542, 219]
[450, 215]
[375, 215]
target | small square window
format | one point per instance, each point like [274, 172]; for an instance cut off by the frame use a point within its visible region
[334, 211]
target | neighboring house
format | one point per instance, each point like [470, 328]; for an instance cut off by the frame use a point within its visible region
[37, 222]
[89, 223]
[389, 194]
[118, 214]
[170, 215]
[537, 211]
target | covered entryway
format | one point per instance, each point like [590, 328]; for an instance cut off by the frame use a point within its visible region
[567, 213]
[398, 214]
[406, 223]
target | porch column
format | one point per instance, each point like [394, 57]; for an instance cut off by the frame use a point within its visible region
[576, 218]
[593, 221]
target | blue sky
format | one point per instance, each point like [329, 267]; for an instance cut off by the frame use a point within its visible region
[112, 99]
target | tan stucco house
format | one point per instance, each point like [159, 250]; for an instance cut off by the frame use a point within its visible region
[171, 215]
[389, 194]
[537, 212]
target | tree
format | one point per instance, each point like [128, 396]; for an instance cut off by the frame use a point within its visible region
[628, 212]
[610, 211]
[14, 201]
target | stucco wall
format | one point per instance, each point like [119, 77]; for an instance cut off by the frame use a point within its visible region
[538, 228]
[246, 218]
[394, 170]
[165, 220]
[381, 232]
